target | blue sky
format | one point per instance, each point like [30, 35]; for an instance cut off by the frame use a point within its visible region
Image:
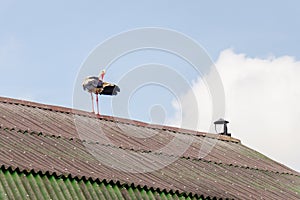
[43, 44]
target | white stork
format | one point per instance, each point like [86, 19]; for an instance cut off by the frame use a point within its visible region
[97, 86]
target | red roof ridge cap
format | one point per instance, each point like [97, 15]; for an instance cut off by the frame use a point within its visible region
[116, 119]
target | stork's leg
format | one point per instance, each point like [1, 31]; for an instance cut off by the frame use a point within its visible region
[92, 103]
[97, 101]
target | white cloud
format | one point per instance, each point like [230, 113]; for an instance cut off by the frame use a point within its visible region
[198, 96]
[262, 103]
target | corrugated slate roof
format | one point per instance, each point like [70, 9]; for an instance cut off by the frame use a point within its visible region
[75, 143]
[16, 184]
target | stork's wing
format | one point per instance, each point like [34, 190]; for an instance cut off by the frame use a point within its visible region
[90, 83]
[109, 89]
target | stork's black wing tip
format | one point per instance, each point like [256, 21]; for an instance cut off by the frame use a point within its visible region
[117, 88]
[110, 90]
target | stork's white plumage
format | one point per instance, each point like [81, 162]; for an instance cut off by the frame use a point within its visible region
[97, 86]
[91, 84]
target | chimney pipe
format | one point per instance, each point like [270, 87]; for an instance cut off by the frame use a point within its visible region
[224, 122]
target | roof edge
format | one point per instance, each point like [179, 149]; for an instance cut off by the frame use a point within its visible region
[115, 119]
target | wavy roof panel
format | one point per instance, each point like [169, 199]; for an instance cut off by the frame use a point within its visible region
[74, 143]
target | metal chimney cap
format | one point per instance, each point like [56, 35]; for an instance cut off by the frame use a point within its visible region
[221, 121]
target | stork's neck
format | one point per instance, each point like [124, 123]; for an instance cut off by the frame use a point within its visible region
[101, 77]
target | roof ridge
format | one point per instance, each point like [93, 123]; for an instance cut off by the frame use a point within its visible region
[48, 173]
[116, 119]
[39, 134]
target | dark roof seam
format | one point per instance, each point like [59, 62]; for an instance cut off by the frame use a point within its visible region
[98, 181]
[149, 151]
[116, 121]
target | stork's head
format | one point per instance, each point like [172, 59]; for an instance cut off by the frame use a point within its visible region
[101, 75]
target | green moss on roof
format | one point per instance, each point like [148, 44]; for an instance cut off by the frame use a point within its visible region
[31, 185]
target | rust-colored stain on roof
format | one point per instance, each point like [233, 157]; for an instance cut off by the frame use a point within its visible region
[77, 143]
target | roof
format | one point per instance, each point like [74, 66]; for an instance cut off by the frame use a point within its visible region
[31, 185]
[79, 145]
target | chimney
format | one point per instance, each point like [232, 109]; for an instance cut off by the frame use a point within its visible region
[224, 122]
